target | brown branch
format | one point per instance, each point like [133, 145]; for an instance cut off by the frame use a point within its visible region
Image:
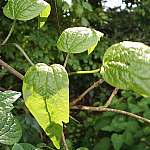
[104, 109]
[111, 97]
[64, 141]
[77, 100]
[11, 70]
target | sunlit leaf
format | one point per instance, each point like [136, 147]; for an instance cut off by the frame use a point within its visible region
[24, 9]
[46, 95]
[78, 39]
[126, 65]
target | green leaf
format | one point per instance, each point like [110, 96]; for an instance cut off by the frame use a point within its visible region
[43, 16]
[82, 148]
[78, 39]
[24, 9]
[46, 95]
[24, 146]
[126, 65]
[10, 129]
[7, 98]
[117, 141]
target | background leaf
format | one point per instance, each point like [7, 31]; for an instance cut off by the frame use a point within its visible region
[24, 146]
[24, 9]
[46, 88]
[126, 65]
[78, 39]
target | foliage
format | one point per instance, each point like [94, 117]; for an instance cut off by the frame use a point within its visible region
[40, 45]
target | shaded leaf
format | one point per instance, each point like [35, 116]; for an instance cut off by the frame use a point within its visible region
[46, 95]
[24, 9]
[78, 39]
[126, 65]
[24, 146]
[117, 141]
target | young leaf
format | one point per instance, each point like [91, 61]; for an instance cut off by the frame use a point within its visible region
[78, 40]
[24, 9]
[117, 141]
[46, 95]
[126, 65]
[10, 129]
[43, 16]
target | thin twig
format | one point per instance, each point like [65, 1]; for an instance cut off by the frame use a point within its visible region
[85, 72]
[66, 60]
[104, 109]
[77, 100]
[23, 52]
[111, 97]
[11, 70]
[9, 34]
[64, 141]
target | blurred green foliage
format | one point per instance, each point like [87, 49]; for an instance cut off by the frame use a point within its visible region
[95, 131]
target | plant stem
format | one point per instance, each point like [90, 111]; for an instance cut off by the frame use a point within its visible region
[66, 60]
[64, 141]
[85, 72]
[104, 109]
[9, 34]
[111, 97]
[11, 70]
[23, 52]
[95, 84]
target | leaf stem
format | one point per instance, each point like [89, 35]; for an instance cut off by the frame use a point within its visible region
[66, 60]
[64, 141]
[9, 34]
[104, 109]
[85, 72]
[23, 52]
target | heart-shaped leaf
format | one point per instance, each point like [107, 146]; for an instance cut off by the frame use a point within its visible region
[46, 95]
[24, 9]
[126, 65]
[78, 39]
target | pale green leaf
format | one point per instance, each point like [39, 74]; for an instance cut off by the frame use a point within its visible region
[46, 95]
[24, 9]
[126, 65]
[10, 129]
[7, 98]
[78, 39]
[43, 16]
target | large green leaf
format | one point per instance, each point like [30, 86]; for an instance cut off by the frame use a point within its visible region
[46, 95]
[78, 39]
[126, 65]
[10, 129]
[24, 9]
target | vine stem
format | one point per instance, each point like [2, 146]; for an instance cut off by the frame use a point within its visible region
[11, 70]
[23, 52]
[66, 60]
[95, 84]
[64, 141]
[108, 103]
[9, 34]
[104, 109]
[85, 72]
